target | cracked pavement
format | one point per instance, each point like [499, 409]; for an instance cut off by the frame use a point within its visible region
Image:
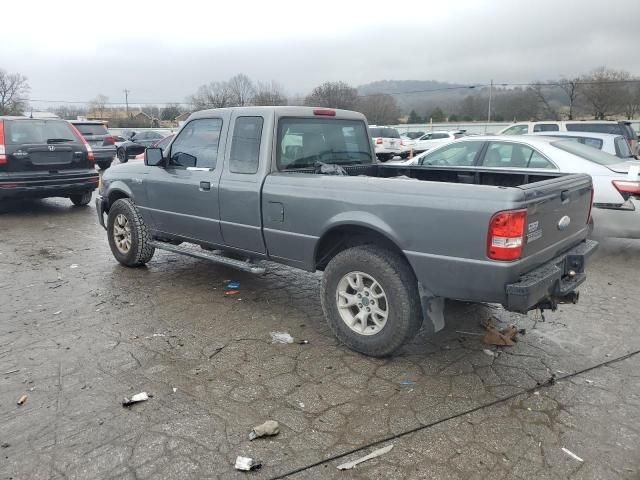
[78, 333]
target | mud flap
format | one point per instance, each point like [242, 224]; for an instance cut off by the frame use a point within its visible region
[432, 310]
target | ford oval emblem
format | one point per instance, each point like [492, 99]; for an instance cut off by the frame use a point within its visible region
[564, 222]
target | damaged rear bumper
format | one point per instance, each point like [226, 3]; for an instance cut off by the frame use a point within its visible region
[552, 283]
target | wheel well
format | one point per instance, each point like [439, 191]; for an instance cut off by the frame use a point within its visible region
[113, 196]
[346, 236]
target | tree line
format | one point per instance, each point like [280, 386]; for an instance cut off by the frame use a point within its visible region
[600, 94]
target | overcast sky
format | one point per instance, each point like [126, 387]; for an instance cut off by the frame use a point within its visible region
[75, 50]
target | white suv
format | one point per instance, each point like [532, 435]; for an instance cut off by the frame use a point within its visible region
[386, 141]
[435, 139]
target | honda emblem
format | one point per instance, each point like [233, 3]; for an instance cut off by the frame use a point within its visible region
[52, 148]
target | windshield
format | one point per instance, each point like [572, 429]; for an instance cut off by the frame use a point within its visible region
[37, 131]
[378, 132]
[91, 128]
[413, 135]
[586, 152]
[303, 142]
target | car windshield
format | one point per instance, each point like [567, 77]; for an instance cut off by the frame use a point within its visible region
[586, 152]
[379, 132]
[91, 128]
[413, 135]
[37, 131]
[303, 142]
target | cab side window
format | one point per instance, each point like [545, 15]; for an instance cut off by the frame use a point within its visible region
[197, 144]
[513, 155]
[245, 145]
[546, 127]
[516, 130]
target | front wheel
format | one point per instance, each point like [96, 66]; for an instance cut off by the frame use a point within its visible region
[128, 235]
[370, 300]
[122, 155]
[81, 199]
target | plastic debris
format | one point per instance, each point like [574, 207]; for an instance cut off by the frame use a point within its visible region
[247, 464]
[301, 405]
[267, 429]
[489, 352]
[22, 400]
[281, 337]
[175, 389]
[58, 312]
[374, 454]
[139, 397]
[75, 265]
[572, 455]
[407, 382]
[589, 382]
[232, 292]
[233, 285]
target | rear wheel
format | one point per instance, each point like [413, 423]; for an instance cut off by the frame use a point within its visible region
[128, 235]
[370, 300]
[81, 199]
[122, 155]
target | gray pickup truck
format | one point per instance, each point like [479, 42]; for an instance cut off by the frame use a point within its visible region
[301, 186]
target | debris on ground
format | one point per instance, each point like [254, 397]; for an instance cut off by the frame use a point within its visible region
[247, 464]
[301, 405]
[281, 337]
[12, 371]
[74, 265]
[22, 400]
[5, 445]
[407, 382]
[572, 455]
[548, 382]
[374, 454]
[505, 337]
[58, 312]
[589, 382]
[138, 397]
[267, 429]
[303, 342]
[232, 292]
[175, 389]
[233, 285]
[489, 352]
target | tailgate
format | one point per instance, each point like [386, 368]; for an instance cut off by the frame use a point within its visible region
[557, 211]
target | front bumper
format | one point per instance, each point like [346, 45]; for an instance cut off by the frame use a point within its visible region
[552, 283]
[52, 185]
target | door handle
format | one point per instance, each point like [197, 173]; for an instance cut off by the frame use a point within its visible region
[205, 186]
[564, 196]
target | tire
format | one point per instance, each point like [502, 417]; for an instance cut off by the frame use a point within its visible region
[402, 301]
[81, 199]
[139, 251]
[122, 155]
[104, 165]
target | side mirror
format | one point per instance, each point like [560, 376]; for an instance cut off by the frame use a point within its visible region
[153, 157]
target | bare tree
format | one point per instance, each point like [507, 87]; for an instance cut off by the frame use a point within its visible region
[333, 94]
[13, 91]
[379, 109]
[604, 91]
[242, 89]
[69, 112]
[548, 110]
[213, 95]
[98, 104]
[269, 93]
[631, 101]
[570, 88]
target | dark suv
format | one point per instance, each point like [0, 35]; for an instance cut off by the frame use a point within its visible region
[102, 142]
[45, 158]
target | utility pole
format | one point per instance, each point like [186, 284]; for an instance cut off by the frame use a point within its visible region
[126, 100]
[489, 112]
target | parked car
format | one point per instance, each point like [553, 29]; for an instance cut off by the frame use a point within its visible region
[163, 143]
[136, 144]
[616, 183]
[387, 142]
[412, 135]
[43, 158]
[391, 240]
[434, 139]
[408, 140]
[101, 141]
[609, 143]
[596, 126]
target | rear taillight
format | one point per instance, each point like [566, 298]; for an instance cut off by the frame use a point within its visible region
[90, 156]
[627, 187]
[3, 153]
[109, 140]
[378, 141]
[505, 240]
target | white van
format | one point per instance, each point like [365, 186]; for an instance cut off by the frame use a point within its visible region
[596, 126]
